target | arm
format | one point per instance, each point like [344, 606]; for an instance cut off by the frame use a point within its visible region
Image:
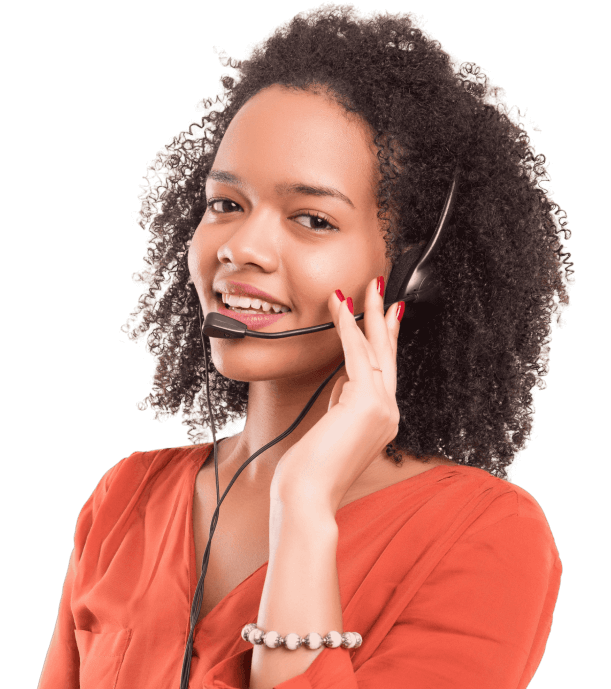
[480, 619]
[61, 666]
[301, 591]
[62, 663]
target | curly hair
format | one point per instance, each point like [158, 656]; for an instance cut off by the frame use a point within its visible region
[464, 376]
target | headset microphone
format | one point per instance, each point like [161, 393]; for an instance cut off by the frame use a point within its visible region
[410, 280]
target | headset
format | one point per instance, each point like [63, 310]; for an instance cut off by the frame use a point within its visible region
[411, 280]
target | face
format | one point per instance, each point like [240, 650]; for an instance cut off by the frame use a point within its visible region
[292, 212]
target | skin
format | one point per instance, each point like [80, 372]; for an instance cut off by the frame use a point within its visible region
[263, 237]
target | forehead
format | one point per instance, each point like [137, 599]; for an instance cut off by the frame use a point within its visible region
[282, 134]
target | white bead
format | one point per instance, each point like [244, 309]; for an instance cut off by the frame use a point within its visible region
[272, 639]
[313, 641]
[348, 640]
[247, 629]
[257, 636]
[333, 640]
[292, 641]
[359, 639]
[252, 635]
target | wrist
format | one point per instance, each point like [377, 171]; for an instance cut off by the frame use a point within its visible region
[304, 521]
[301, 496]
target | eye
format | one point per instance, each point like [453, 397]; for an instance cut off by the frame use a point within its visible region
[314, 221]
[221, 205]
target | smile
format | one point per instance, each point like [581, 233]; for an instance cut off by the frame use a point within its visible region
[243, 304]
[253, 319]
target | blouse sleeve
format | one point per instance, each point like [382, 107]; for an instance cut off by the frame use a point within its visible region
[61, 666]
[481, 619]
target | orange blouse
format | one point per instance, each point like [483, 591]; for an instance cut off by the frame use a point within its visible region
[451, 578]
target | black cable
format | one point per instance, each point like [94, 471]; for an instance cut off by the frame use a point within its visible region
[199, 591]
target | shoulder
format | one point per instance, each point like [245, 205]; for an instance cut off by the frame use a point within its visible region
[134, 472]
[510, 514]
[125, 489]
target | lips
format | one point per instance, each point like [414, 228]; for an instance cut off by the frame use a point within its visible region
[253, 321]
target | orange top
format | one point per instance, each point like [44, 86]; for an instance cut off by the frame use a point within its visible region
[451, 578]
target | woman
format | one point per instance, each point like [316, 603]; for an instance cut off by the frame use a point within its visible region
[386, 511]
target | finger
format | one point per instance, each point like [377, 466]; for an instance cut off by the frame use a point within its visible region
[359, 355]
[374, 317]
[393, 326]
[380, 335]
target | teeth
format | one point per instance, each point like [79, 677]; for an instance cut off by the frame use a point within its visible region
[251, 303]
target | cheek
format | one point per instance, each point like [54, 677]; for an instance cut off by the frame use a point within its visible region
[193, 260]
[348, 266]
[315, 275]
[200, 257]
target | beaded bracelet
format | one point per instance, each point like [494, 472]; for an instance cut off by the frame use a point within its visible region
[256, 636]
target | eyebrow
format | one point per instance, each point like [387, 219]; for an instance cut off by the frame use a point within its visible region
[283, 189]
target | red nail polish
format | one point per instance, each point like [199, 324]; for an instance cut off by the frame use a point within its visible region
[381, 285]
[340, 296]
[400, 310]
[349, 304]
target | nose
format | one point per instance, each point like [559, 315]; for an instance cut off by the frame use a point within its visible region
[254, 241]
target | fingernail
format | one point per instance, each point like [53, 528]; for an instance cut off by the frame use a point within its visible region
[381, 285]
[340, 296]
[349, 304]
[400, 310]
